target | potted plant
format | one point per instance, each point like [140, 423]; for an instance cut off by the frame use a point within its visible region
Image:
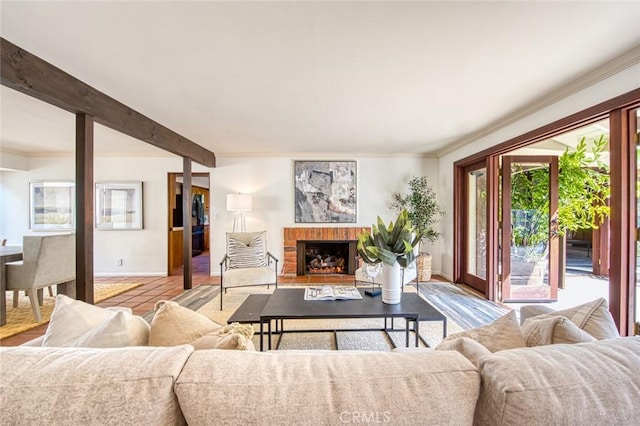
[393, 245]
[423, 209]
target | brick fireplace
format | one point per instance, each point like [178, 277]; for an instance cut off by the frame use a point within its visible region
[295, 239]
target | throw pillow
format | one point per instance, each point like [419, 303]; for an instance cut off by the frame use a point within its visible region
[244, 329]
[248, 253]
[503, 333]
[471, 349]
[552, 330]
[72, 318]
[593, 317]
[214, 340]
[122, 329]
[174, 325]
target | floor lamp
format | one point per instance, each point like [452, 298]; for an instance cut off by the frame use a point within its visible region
[239, 203]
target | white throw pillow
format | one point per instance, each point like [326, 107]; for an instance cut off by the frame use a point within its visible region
[553, 330]
[503, 333]
[471, 349]
[592, 317]
[174, 325]
[249, 254]
[122, 329]
[71, 319]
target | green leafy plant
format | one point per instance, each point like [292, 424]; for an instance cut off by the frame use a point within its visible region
[583, 190]
[422, 207]
[389, 244]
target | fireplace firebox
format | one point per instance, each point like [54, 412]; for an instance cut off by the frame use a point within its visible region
[326, 257]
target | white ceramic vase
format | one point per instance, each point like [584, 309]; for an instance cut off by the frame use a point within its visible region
[391, 283]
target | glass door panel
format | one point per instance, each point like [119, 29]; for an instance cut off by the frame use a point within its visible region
[529, 263]
[476, 263]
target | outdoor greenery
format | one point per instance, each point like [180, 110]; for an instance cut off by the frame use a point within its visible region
[422, 207]
[389, 244]
[583, 190]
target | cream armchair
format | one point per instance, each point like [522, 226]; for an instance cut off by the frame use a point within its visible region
[247, 262]
[46, 260]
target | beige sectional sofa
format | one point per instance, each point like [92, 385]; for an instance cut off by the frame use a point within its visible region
[591, 383]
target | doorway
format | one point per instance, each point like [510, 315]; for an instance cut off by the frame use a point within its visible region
[529, 217]
[199, 213]
[513, 248]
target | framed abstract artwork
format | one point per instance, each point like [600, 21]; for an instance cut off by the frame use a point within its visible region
[325, 191]
[52, 205]
[119, 205]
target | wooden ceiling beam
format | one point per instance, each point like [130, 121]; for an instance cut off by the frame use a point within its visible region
[27, 73]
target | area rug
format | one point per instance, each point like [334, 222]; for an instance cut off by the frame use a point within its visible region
[344, 340]
[21, 318]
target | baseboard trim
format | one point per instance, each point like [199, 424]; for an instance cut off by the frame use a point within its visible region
[130, 274]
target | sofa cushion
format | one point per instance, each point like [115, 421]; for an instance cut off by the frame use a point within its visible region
[327, 387]
[72, 319]
[471, 349]
[552, 330]
[594, 383]
[80, 386]
[593, 317]
[503, 333]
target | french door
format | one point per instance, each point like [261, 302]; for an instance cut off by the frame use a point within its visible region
[478, 230]
[529, 244]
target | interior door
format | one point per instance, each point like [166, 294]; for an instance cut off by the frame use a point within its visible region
[529, 229]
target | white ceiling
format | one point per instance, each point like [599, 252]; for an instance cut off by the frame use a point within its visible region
[277, 78]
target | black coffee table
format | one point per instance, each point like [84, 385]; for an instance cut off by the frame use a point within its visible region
[290, 304]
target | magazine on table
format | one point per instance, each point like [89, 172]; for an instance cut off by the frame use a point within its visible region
[329, 292]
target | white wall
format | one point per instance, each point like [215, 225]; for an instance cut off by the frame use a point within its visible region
[144, 252]
[615, 85]
[269, 180]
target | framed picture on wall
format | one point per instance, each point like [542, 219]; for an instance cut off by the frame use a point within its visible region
[52, 205]
[119, 205]
[325, 191]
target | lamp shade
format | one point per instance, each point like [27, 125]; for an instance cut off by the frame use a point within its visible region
[239, 202]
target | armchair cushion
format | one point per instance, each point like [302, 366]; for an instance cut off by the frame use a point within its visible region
[246, 250]
[248, 276]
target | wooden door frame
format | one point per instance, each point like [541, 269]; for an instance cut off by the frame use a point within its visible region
[171, 192]
[622, 272]
[460, 208]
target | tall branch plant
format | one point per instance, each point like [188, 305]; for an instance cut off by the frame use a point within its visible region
[421, 204]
